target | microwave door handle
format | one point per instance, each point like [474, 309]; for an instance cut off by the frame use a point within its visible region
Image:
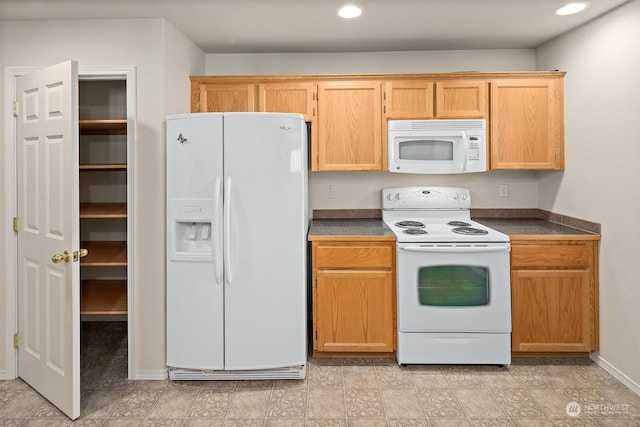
[465, 155]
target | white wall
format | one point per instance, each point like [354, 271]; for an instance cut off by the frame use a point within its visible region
[145, 44]
[362, 189]
[600, 183]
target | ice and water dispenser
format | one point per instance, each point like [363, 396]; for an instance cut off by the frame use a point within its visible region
[192, 222]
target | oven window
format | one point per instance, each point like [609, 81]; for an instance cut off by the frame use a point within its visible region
[425, 149]
[453, 285]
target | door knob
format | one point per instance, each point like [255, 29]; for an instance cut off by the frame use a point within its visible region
[66, 256]
[58, 258]
[79, 254]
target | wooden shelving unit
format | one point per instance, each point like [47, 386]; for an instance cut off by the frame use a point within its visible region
[104, 297]
[103, 210]
[103, 127]
[104, 254]
[103, 149]
[104, 167]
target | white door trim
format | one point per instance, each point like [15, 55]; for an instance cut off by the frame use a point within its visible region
[10, 277]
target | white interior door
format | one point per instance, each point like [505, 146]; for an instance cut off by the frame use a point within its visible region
[48, 215]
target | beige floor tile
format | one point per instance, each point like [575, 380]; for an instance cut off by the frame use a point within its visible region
[532, 422]
[449, 422]
[392, 376]
[290, 403]
[367, 422]
[402, 404]
[408, 422]
[490, 422]
[517, 403]
[360, 377]
[478, 403]
[364, 403]
[552, 401]
[99, 403]
[212, 404]
[211, 422]
[429, 380]
[325, 376]
[174, 404]
[250, 403]
[440, 403]
[326, 403]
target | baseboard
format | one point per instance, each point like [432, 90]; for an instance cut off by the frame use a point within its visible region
[632, 385]
[142, 375]
[4, 376]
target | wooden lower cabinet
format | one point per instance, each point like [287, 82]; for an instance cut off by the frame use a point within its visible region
[554, 292]
[354, 297]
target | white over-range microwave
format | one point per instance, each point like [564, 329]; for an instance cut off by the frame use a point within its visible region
[437, 146]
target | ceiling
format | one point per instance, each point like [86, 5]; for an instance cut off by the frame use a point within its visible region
[284, 26]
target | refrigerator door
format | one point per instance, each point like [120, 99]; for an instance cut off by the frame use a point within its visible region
[266, 226]
[195, 319]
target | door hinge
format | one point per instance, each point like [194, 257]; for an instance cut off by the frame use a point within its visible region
[16, 340]
[316, 335]
[16, 224]
[16, 108]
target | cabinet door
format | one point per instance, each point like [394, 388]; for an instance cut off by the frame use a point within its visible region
[223, 97]
[550, 310]
[288, 98]
[354, 311]
[408, 99]
[461, 99]
[527, 130]
[349, 127]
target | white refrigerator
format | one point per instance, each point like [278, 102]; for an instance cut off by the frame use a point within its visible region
[237, 222]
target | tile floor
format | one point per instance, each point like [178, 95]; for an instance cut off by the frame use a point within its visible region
[336, 392]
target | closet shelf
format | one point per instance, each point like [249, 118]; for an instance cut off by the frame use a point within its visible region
[103, 210]
[104, 297]
[104, 254]
[104, 167]
[103, 127]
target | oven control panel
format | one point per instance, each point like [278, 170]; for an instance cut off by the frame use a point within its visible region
[426, 198]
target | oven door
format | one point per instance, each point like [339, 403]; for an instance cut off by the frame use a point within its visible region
[448, 287]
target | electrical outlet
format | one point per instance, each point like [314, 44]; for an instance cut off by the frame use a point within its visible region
[503, 190]
[333, 191]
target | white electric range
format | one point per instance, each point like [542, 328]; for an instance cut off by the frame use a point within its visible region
[453, 279]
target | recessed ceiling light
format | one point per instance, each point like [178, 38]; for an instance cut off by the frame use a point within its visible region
[571, 8]
[349, 11]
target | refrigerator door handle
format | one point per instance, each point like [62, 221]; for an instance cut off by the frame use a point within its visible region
[217, 247]
[227, 231]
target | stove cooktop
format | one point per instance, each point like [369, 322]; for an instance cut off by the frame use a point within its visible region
[425, 230]
[434, 214]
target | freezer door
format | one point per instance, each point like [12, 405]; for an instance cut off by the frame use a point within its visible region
[266, 223]
[195, 319]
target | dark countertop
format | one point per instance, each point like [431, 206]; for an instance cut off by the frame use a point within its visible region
[535, 227]
[376, 229]
[353, 229]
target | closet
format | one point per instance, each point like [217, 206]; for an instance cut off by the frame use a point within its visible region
[104, 229]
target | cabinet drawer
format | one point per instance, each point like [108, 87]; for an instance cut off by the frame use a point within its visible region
[366, 256]
[557, 256]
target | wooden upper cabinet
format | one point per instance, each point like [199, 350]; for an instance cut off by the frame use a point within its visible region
[412, 99]
[461, 99]
[527, 123]
[230, 97]
[291, 97]
[350, 133]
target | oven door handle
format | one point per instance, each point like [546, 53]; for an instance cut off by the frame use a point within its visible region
[456, 249]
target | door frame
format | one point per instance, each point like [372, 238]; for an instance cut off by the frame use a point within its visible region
[127, 73]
